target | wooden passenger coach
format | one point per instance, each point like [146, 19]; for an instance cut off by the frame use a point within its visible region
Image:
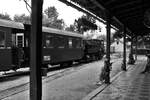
[8, 31]
[59, 46]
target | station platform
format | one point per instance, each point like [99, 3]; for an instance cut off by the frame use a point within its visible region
[81, 84]
[129, 85]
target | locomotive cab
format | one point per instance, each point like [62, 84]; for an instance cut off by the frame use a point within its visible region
[94, 49]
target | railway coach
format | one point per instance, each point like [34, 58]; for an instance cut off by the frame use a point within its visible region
[9, 41]
[58, 46]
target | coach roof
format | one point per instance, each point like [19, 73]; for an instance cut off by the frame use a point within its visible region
[61, 32]
[11, 24]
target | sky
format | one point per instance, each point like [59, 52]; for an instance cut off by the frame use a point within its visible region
[67, 13]
[13, 7]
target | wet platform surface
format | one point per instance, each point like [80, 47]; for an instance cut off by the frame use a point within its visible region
[129, 85]
[78, 84]
[71, 85]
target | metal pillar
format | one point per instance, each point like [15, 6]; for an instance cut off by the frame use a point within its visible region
[131, 59]
[36, 51]
[107, 64]
[124, 51]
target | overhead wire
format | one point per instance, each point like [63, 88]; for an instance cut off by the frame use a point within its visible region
[27, 5]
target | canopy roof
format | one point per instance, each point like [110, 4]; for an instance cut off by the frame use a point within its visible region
[129, 12]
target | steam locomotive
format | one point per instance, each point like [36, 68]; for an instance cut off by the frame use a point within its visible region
[58, 46]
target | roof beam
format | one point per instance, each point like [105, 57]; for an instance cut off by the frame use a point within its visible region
[133, 17]
[85, 11]
[126, 4]
[110, 1]
[101, 7]
[129, 10]
[129, 14]
[97, 4]
[82, 10]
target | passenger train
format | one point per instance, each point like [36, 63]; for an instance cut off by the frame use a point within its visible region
[59, 46]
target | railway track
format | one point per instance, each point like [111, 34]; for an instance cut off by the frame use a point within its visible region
[54, 74]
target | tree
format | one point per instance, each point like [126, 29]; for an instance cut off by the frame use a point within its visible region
[117, 34]
[50, 18]
[85, 23]
[71, 28]
[22, 18]
[102, 37]
[5, 16]
[51, 12]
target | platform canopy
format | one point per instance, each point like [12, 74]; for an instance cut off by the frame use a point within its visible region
[127, 12]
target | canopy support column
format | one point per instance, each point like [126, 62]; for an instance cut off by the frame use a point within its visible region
[131, 58]
[36, 51]
[124, 50]
[107, 64]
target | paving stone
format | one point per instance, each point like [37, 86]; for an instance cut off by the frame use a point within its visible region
[131, 85]
[144, 90]
[144, 94]
[144, 98]
[128, 98]
[131, 94]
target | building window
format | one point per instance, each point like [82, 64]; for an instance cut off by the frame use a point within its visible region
[2, 39]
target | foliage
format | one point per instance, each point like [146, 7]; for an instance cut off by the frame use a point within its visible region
[51, 12]
[71, 28]
[22, 18]
[5, 16]
[85, 23]
[117, 35]
[50, 18]
[90, 34]
[102, 37]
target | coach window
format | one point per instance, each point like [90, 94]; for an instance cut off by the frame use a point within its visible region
[49, 41]
[78, 43]
[13, 40]
[2, 39]
[61, 42]
[70, 42]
